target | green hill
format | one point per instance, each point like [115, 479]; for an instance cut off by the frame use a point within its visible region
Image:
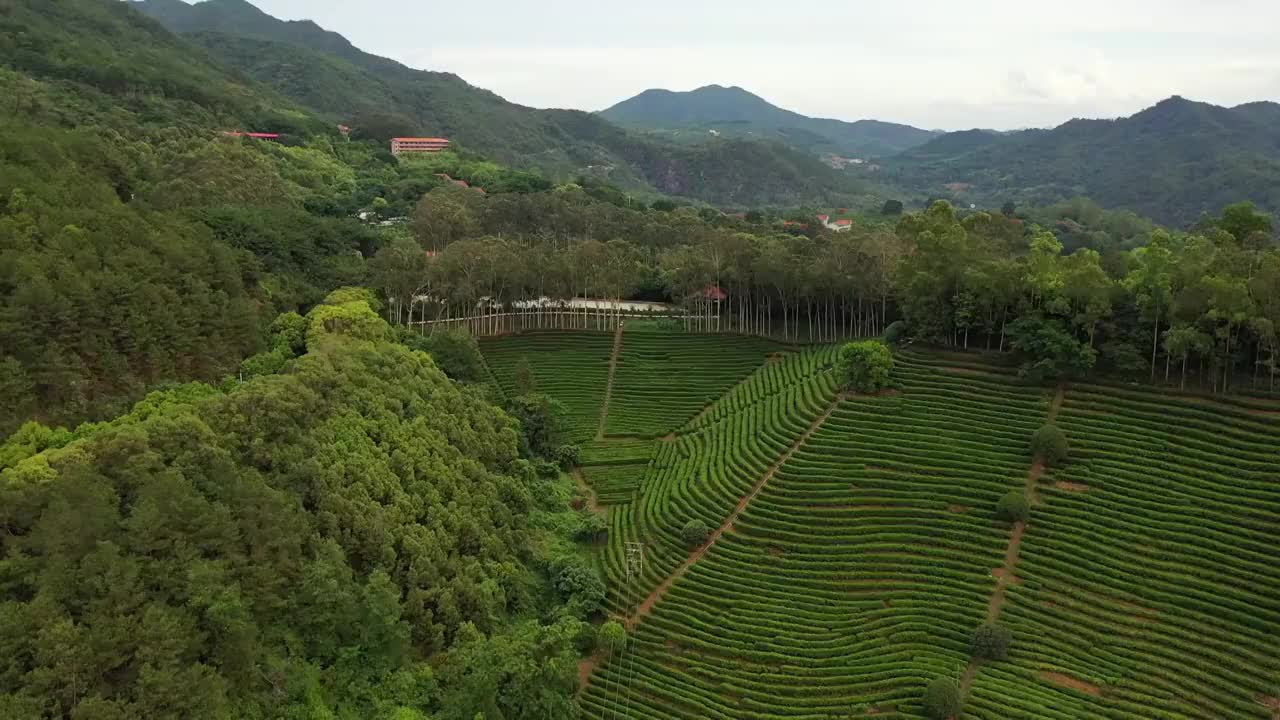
[324, 72]
[1170, 162]
[736, 112]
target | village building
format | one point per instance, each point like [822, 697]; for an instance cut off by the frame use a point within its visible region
[403, 145]
[254, 135]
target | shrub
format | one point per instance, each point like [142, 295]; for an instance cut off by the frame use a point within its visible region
[454, 351]
[525, 384]
[611, 636]
[695, 533]
[942, 699]
[896, 332]
[579, 585]
[1050, 444]
[1013, 507]
[864, 366]
[541, 421]
[567, 455]
[990, 641]
[591, 527]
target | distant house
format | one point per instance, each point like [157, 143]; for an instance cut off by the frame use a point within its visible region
[836, 225]
[714, 293]
[400, 146]
[254, 135]
[344, 131]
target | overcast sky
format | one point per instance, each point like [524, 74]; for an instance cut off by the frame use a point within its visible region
[949, 64]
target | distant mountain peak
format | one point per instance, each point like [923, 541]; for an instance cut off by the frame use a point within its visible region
[731, 108]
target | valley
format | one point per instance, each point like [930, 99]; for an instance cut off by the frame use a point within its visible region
[334, 388]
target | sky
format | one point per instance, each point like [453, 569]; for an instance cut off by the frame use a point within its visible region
[937, 64]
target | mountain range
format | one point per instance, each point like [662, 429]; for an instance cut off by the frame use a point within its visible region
[734, 111]
[324, 72]
[1170, 162]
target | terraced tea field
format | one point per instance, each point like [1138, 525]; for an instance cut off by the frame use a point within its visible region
[854, 548]
[572, 367]
[1148, 584]
[856, 574]
[661, 382]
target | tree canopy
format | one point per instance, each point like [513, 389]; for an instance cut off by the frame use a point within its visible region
[296, 543]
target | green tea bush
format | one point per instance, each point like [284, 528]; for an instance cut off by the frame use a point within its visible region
[990, 641]
[695, 533]
[611, 636]
[1013, 507]
[1050, 444]
[864, 366]
[942, 699]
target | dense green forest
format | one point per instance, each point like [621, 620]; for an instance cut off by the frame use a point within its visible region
[354, 536]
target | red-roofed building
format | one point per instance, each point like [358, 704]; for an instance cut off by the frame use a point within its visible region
[713, 292]
[254, 135]
[418, 145]
[836, 225]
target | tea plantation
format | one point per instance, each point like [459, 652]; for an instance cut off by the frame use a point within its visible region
[848, 546]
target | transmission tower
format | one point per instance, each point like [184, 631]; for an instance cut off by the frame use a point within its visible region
[635, 569]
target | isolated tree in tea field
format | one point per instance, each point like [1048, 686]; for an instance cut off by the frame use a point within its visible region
[864, 366]
[990, 641]
[891, 208]
[942, 699]
[896, 332]
[612, 636]
[1013, 507]
[695, 533]
[525, 382]
[1050, 444]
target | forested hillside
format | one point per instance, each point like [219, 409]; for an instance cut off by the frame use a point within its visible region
[140, 245]
[732, 111]
[1171, 162]
[324, 72]
[353, 536]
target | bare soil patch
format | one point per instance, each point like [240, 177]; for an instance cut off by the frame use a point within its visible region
[1272, 703]
[592, 503]
[775, 551]
[958, 508]
[608, 388]
[587, 666]
[1074, 683]
[1074, 487]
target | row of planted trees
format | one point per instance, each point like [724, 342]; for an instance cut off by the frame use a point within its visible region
[1187, 308]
